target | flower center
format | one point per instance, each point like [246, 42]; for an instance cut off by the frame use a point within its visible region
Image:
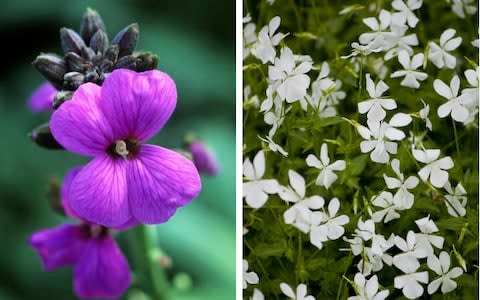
[123, 148]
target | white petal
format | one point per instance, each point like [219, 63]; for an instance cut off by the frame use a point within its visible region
[324, 155]
[370, 85]
[404, 59]
[442, 89]
[438, 177]
[339, 165]
[312, 161]
[274, 24]
[434, 285]
[259, 164]
[287, 290]
[248, 169]
[446, 35]
[452, 44]
[297, 182]
[400, 120]
[333, 207]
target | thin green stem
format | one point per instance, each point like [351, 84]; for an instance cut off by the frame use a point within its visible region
[456, 137]
[149, 274]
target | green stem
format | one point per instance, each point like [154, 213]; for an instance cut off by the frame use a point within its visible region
[456, 137]
[149, 274]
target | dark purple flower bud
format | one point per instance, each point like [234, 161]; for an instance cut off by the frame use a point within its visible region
[75, 62]
[126, 62]
[99, 42]
[72, 80]
[112, 53]
[203, 158]
[42, 97]
[43, 137]
[71, 41]
[53, 67]
[126, 39]
[91, 23]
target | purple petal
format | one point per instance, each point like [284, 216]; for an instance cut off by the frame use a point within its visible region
[137, 105]
[67, 182]
[59, 246]
[79, 124]
[102, 271]
[160, 181]
[42, 97]
[203, 159]
[98, 193]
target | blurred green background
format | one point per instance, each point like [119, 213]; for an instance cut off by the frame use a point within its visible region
[196, 46]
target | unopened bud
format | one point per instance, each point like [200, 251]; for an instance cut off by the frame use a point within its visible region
[60, 98]
[126, 62]
[111, 53]
[71, 41]
[146, 61]
[75, 62]
[126, 39]
[99, 42]
[52, 66]
[91, 23]
[91, 76]
[43, 137]
[182, 281]
[460, 259]
[72, 80]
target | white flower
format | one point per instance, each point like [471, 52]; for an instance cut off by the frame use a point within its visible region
[406, 13]
[411, 252]
[374, 261]
[249, 36]
[264, 47]
[299, 214]
[470, 96]
[256, 189]
[275, 116]
[424, 115]
[274, 146]
[248, 277]
[368, 289]
[411, 76]
[246, 96]
[301, 293]
[459, 7]
[291, 79]
[388, 213]
[380, 36]
[257, 295]
[379, 137]
[441, 266]
[456, 200]
[375, 106]
[425, 239]
[326, 176]
[326, 226]
[365, 230]
[409, 283]
[435, 168]
[401, 42]
[439, 55]
[455, 106]
[402, 198]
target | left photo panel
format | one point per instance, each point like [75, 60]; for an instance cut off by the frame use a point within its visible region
[118, 173]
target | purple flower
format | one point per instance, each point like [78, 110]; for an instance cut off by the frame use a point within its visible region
[126, 181]
[42, 98]
[99, 268]
[203, 158]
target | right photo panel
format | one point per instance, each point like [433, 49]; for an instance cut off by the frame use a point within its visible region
[360, 149]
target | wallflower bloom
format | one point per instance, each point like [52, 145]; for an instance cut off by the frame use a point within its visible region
[455, 200]
[256, 189]
[403, 198]
[368, 289]
[327, 226]
[299, 214]
[435, 168]
[410, 282]
[441, 266]
[291, 79]
[425, 239]
[375, 106]
[264, 47]
[203, 158]
[405, 11]
[301, 293]
[99, 268]
[456, 106]
[126, 181]
[42, 97]
[439, 55]
[326, 176]
[411, 76]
